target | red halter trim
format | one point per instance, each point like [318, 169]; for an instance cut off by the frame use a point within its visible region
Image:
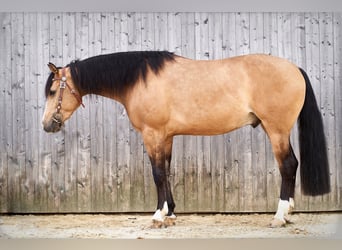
[62, 84]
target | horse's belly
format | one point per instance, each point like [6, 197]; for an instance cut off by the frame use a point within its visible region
[210, 123]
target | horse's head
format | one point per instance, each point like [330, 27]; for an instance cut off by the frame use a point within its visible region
[62, 98]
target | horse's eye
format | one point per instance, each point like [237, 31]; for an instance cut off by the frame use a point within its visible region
[52, 92]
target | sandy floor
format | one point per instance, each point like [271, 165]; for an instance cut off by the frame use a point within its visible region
[137, 226]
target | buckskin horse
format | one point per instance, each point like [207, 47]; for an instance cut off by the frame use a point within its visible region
[166, 95]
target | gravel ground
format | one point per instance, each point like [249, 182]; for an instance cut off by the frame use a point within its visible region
[138, 226]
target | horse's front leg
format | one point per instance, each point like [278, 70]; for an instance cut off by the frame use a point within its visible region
[159, 150]
[164, 215]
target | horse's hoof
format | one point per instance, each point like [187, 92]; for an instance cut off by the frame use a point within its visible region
[276, 223]
[287, 220]
[170, 221]
[157, 224]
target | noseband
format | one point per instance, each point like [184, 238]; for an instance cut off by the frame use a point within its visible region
[62, 85]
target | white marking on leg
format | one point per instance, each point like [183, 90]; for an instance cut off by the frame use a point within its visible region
[172, 216]
[291, 203]
[159, 215]
[291, 207]
[283, 210]
[165, 209]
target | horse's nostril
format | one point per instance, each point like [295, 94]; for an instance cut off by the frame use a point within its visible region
[57, 118]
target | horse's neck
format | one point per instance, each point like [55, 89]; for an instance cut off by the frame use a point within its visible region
[112, 95]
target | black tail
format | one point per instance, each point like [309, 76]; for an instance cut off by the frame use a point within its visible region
[314, 167]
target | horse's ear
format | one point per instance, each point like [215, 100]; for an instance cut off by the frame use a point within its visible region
[53, 68]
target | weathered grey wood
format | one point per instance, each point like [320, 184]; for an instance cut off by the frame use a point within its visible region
[43, 183]
[98, 162]
[338, 103]
[6, 107]
[83, 180]
[31, 114]
[327, 103]
[16, 154]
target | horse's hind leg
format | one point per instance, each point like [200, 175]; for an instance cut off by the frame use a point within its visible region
[288, 166]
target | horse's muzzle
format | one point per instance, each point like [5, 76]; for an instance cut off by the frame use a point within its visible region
[55, 124]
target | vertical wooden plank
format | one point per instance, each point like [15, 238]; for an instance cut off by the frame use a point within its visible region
[284, 35]
[123, 143]
[312, 69]
[17, 152]
[174, 32]
[45, 158]
[204, 188]
[109, 119]
[244, 156]
[96, 121]
[256, 33]
[147, 31]
[270, 34]
[175, 22]
[298, 39]
[273, 175]
[31, 115]
[58, 149]
[216, 142]
[189, 160]
[69, 199]
[259, 171]
[84, 143]
[5, 109]
[231, 169]
[337, 17]
[160, 34]
[327, 90]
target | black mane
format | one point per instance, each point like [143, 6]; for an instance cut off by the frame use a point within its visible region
[114, 72]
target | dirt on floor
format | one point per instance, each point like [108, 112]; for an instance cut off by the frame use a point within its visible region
[138, 226]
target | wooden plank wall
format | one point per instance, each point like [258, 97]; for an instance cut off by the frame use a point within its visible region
[98, 162]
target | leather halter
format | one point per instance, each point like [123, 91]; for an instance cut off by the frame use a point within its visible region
[62, 85]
